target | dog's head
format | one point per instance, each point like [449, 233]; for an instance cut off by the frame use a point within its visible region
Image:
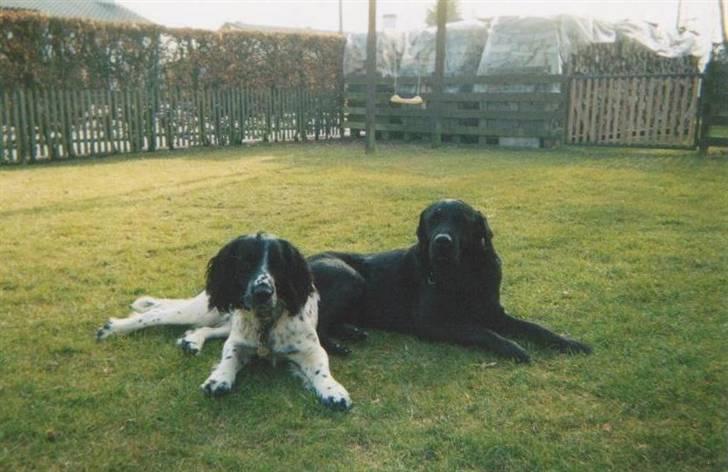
[450, 233]
[259, 273]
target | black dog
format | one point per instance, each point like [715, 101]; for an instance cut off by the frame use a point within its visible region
[444, 288]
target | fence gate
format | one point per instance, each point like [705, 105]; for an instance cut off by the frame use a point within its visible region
[634, 110]
[714, 125]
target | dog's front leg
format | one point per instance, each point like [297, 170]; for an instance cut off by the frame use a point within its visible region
[314, 366]
[541, 335]
[471, 334]
[194, 339]
[222, 378]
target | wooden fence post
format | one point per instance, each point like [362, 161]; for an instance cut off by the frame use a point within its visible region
[704, 111]
[3, 125]
[19, 112]
[567, 85]
[437, 91]
[371, 66]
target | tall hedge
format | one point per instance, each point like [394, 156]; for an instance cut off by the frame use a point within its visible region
[40, 51]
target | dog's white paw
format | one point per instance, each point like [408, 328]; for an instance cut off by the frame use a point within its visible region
[190, 343]
[106, 330]
[144, 304]
[215, 386]
[335, 396]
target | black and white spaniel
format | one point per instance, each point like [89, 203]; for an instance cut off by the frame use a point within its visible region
[260, 295]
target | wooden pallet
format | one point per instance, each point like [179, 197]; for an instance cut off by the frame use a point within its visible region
[467, 115]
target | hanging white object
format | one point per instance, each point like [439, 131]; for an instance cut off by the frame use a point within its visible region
[416, 100]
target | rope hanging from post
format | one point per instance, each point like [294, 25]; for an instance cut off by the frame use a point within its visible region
[416, 100]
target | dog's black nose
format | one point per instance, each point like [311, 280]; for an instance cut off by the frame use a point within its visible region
[262, 293]
[443, 241]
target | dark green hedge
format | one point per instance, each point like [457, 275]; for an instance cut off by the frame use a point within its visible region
[38, 51]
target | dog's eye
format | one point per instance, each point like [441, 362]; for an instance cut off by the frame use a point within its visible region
[245, 264]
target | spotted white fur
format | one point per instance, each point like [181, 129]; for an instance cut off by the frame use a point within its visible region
[293, 338]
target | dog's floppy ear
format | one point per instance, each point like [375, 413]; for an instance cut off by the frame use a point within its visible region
[423, 251]
[221, 279]
[484, 230]
[483, 234]
[421, 232]
[296, 284]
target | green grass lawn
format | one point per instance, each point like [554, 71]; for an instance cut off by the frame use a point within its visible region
[623, 249]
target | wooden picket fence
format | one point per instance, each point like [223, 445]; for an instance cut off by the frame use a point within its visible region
[634, 110]
[61, 124]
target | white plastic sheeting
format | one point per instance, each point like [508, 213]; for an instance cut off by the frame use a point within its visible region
[512, 44]
[390, 48]
[464, 45]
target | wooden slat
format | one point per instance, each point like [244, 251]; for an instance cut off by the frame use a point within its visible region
[653, 104]
[57, 100]
[21, 123]
[715, 141]
[48, 115]
[679, 89]
[470, 97]
[63, 140]
[617, 114]
[570, 128]
[42, 114]
[658, 104]
[125, 121]
[692, 109]
[494, 79]
[719, 120]
[3, 128]
[640, 118]
[580, 111]
[32, 122]
[91, 114]
[594, 104]
[79, 123]
[463, 130]
[139, 108]
[632, 107]
[505, 115]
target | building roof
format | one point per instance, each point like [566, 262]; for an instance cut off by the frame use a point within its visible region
[238, 26]
[106, 10]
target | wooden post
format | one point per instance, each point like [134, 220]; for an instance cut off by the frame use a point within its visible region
[372, 78]
[704, 111]
[436, 105]
[3, 107]
[31, 124]
[20, 125]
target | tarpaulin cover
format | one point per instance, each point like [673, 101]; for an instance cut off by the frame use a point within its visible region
[513, 44]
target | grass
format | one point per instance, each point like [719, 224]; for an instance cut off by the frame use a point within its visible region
[624, 249]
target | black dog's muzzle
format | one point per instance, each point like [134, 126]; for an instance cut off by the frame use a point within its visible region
[442, 248]
[444, 257]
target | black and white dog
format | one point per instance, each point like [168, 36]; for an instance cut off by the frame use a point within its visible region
[444, 288]
[261, 296]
